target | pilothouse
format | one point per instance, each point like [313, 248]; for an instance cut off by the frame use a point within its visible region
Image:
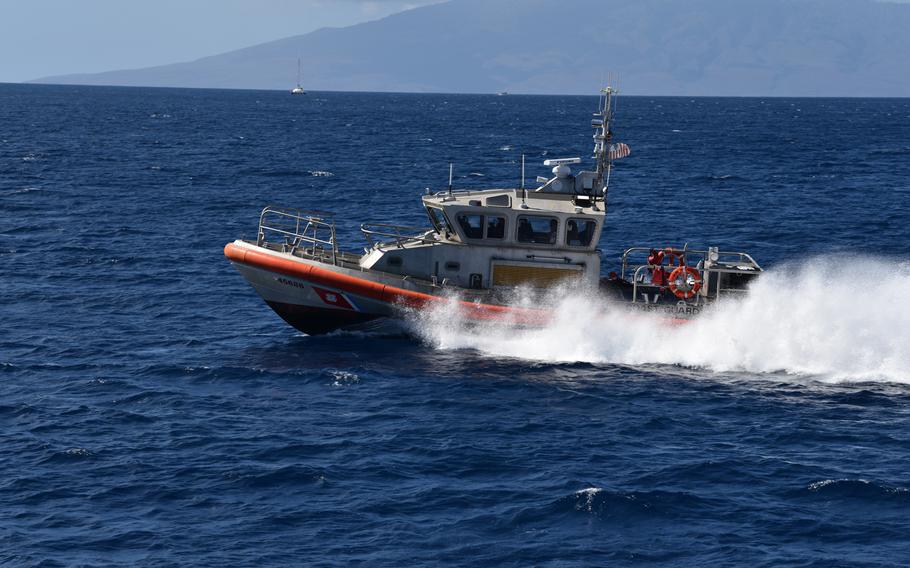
[480, 248]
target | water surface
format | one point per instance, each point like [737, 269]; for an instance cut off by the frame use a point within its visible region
[156, 412]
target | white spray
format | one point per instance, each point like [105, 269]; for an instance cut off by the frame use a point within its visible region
[837, 319]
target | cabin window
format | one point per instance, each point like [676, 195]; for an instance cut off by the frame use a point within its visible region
[439, 220]
[472, 225]
[496, 227]
[735, 280]
[499, 201]
[537, 230]
[580, 232]
[395, 261]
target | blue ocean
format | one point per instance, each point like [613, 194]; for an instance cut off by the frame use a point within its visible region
[156, 412]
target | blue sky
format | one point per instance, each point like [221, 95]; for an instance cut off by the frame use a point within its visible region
[52, 37]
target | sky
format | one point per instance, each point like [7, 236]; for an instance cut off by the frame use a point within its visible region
[54, 37]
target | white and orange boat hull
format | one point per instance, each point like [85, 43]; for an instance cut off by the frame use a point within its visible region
[316, 297]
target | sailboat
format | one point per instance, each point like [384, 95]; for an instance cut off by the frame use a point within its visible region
[298, 90]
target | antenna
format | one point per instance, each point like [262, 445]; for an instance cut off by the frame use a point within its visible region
[522, 171]
[451, 170]
[616, 88]
[524, 191]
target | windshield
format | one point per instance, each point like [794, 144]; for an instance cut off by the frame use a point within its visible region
[440, 223]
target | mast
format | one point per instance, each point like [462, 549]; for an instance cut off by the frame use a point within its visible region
[603, 136]
[298, 72]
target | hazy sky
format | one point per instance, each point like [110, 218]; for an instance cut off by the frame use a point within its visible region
[53, 37]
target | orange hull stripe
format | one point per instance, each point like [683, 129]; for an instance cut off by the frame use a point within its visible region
[376, 291]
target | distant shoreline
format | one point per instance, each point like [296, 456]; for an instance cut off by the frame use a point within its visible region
[427, 93]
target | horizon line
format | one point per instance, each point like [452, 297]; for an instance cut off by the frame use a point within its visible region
[509, 93]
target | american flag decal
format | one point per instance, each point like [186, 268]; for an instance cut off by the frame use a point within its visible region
[619, 150]
[335, 299]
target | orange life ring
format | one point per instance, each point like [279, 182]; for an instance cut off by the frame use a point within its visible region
[685, 282]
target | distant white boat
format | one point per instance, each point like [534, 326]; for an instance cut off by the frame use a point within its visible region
[298, 90]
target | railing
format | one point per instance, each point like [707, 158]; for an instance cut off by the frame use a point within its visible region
[725, 257]
[308, 233]
[458, 192]
[739, 257]
[547, 258]
[399, 235]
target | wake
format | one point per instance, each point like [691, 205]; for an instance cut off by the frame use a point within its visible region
[835, 321]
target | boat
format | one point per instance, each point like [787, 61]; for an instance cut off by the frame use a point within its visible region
[483, 254]
[298, 90]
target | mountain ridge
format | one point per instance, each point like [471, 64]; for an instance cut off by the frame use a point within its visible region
[658, 47]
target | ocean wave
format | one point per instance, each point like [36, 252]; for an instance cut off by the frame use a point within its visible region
[862, 489]
[630, 506]
[717, 177]
[69, 455]
[282, 173]
[343, 378]
[23, 190]
[271, 477]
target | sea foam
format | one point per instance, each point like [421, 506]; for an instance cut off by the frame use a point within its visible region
[834, 318]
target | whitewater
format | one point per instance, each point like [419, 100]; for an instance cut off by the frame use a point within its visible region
[833, 318]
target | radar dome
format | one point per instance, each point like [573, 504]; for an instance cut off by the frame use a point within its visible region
[562, 171]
